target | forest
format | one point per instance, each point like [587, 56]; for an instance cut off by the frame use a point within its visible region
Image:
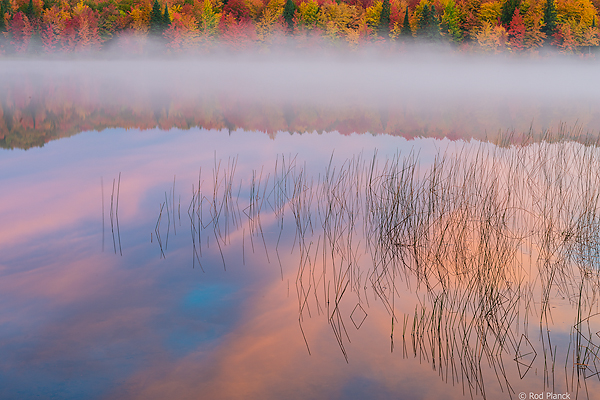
[530, 27]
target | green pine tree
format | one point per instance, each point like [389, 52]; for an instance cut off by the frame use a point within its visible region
[433, 28]
[156, 20]
[384, 20]
[549, 27]
[423, 22]
[30, 11]
[2, 22]
[288, 15]
[406, 32]
[166, 18]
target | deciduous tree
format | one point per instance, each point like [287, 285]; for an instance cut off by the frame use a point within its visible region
[470, 23]
[516, 32]
[268, 20]
[308, 14]
[451, 23]
[20, 32]
[491, 38]
[564, 39]
[209, 20]
[534, 37]
[183, 33]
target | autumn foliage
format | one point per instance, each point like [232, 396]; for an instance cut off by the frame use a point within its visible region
[492, 26]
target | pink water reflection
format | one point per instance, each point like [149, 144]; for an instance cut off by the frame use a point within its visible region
[82, 322]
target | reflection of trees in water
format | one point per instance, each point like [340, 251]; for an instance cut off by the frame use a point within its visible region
[36, 110]
[482, 245]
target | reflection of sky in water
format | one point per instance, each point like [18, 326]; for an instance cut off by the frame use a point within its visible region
[76, 322]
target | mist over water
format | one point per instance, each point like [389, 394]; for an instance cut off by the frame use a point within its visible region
[411, 94]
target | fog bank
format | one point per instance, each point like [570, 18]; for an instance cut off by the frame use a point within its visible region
[464, 95]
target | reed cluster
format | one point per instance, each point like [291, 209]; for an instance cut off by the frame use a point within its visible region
[480, 243]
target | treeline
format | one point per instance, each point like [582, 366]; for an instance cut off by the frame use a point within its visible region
[31, 26]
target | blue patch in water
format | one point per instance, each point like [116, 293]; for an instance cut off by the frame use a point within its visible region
[365, 388]
[206, 314]
[210, 295]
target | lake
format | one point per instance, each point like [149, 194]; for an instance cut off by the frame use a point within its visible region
[299, 227]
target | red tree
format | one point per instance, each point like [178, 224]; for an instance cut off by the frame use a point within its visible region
[238, 9]
[236, 33]
[20, 31]
[516, 32]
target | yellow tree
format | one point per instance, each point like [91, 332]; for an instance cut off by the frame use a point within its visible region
[575, 11]
[308, 14]
[491, 38]
[450, 26]
[534, 37]
[574, 18]
[255, 8]
[209, 20]
[589, 37]
[268, 21]
[340, 20]
[140, 19]
[373, 13]
[491, 11]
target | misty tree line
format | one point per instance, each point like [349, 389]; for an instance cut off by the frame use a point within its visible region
[30, 26]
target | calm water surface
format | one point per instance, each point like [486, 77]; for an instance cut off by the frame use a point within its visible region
[229, 263]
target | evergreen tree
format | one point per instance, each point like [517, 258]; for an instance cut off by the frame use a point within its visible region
[406, 32]
[30, 11]
[508, 9]
[166, 18]
[423, 21]
[2, 22]
[156, 20]
[384, 20]
[288, 14]
[549, 27]
[429, 26]
[433, 27]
